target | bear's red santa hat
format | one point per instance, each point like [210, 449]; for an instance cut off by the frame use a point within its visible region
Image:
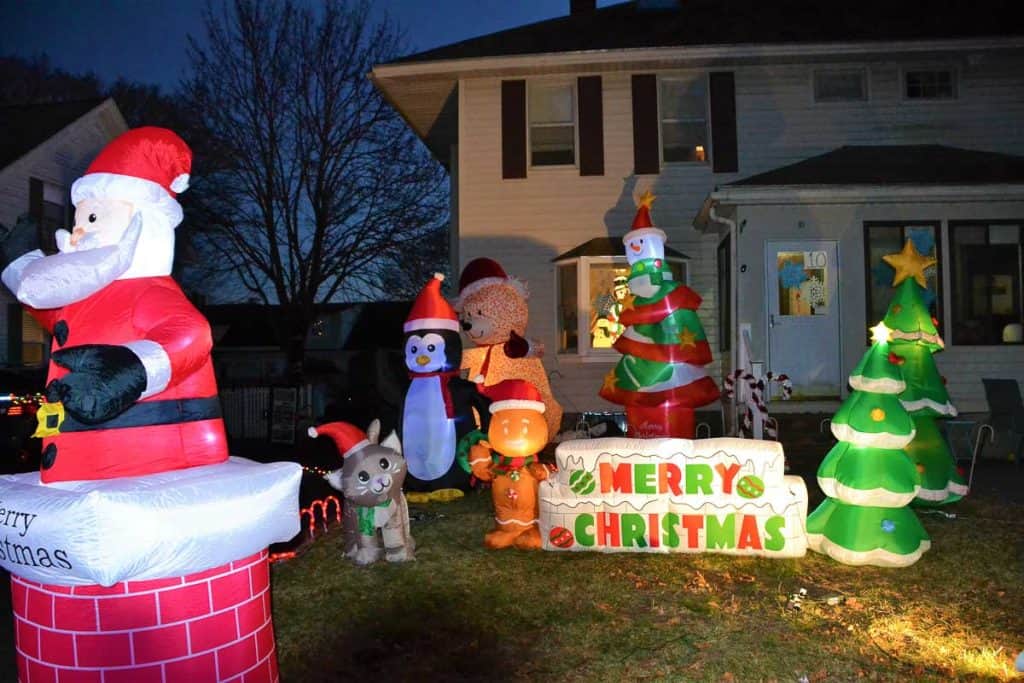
[431, 311]
[348, 438]
[511, 394]
[147, 166]
[484, 272]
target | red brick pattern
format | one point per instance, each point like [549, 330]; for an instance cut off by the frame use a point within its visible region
[214, 625]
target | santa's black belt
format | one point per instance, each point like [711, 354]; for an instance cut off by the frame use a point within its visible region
[54, 420]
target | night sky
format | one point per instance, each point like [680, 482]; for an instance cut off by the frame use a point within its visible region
[144, 40]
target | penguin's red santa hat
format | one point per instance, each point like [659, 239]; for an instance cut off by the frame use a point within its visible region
[511, 394]
[485, 272]
[431, 311]
[146, 166]
[348, 438]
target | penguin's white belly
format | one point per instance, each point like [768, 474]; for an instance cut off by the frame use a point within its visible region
[428, 434]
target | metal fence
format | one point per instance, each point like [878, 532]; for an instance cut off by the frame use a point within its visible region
[269, 413]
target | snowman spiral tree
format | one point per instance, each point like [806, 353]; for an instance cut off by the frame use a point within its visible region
[660, 378]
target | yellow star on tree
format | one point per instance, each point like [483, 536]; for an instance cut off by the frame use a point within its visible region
[646, 199]
[628, 301]
[909, 263]
[687, 338]
[609, 381]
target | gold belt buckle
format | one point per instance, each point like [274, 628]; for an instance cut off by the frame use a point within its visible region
[50, 417]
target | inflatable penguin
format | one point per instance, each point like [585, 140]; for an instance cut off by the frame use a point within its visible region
[438, 409]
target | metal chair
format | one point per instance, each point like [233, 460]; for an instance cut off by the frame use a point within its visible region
[1006, 416]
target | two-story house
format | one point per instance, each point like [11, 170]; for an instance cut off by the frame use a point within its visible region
[790, 146]
[43, 149]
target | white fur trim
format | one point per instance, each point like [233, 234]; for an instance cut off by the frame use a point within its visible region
[312, 432]
[180, 184]
[946, 409]
[643, 232]
[882, 498]
[883, 385]
[129, 189]
[13, 272]
[878, 557]
[935, 495]
[476, 286]
[514, 403]
[844, 432]
[358, 446]
[156, 362]
[431, 324]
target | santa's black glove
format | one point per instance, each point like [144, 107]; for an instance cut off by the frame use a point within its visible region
[516, 346]
[104, 381]
[17, 241]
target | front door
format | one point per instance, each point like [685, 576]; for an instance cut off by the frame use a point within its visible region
[803, 315]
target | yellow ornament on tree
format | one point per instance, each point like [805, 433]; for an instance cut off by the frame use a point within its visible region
[909, 263]
[877, 414]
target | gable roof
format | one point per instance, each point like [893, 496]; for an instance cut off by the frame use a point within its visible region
[737, 22]
[608, 246]
[896, 165]
[23, 127]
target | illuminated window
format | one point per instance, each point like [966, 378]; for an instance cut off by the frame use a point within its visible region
[888, 238]
[552, 116]
[682, 105]
[592, 293]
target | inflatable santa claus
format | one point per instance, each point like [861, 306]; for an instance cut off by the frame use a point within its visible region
[143, 552]
[130, 365]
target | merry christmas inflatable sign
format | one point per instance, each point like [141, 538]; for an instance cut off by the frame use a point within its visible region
[673, 496]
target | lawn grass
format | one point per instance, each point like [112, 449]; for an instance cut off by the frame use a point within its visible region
[462, 612]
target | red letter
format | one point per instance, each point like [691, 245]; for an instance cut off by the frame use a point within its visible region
[618, 479]
[727, 474]
[669, 478]
[749, 535]
[693, 524]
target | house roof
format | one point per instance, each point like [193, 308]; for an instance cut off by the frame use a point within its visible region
[607, 246]
[896, 165]
[24, 127]
[735, 22]
[422, 87]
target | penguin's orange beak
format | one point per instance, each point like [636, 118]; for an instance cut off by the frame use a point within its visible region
[422, 360]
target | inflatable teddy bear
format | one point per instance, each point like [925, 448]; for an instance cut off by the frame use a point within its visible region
[493, 312]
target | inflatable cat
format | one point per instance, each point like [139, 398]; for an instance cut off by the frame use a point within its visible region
[375, 516]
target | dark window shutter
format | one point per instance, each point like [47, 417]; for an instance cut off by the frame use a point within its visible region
[14, 334]
[513, 129]
[646, 156]
[591, 109]
[35, 200]
[723, 123]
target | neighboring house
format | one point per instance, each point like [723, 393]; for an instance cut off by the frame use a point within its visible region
[43, 149]
[770, 132]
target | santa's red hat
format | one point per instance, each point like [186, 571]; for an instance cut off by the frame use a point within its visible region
[146, 166]
[348, 438]
[642, 224]
[514, 393]
[485, 272]
[431, 311]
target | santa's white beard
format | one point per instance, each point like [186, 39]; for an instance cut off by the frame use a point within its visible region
[75, 273]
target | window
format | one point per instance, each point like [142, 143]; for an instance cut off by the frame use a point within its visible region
[986, 279]
[725, 294]
[888, 238]
[592, 292]
[33, 341]
[929, 84]
[552, 116]
[682, 107]
[840, 85]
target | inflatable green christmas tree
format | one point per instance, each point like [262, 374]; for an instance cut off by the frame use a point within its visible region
[868, 478]
[660, 378]
[914, 340]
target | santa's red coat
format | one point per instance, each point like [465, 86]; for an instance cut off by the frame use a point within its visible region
[154, 309]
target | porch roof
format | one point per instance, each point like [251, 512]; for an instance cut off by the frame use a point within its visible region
[896, 164]
[608, 246]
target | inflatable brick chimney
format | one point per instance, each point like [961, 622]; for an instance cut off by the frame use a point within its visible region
[139, 551]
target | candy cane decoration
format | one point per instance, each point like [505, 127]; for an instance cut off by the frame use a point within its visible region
[755, 390]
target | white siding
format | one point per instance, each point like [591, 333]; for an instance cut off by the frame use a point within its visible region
[58, 161]
[525, 223]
